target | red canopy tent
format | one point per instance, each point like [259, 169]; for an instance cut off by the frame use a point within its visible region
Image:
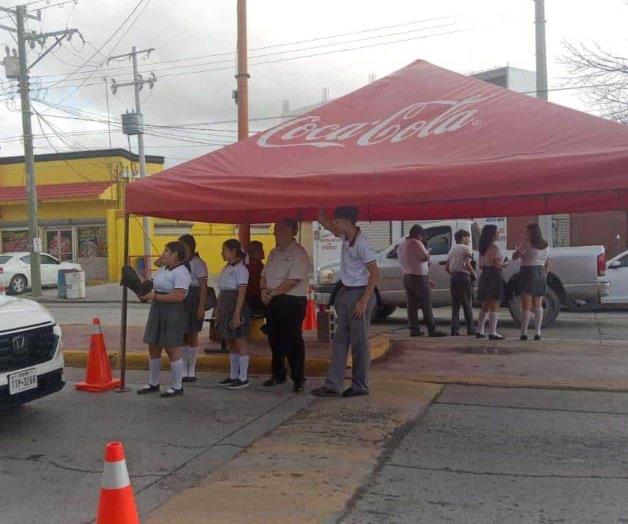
[421, 143]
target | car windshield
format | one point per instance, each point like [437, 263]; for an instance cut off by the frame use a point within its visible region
[4, 259]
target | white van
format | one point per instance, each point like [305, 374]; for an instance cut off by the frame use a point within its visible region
[31, 359]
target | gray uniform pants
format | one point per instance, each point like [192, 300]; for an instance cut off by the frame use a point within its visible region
[350, 331]
[419, 294]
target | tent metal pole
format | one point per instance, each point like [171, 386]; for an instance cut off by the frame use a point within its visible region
[123, 320]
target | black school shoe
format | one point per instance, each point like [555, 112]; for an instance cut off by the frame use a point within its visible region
[416, 333]
[171, 392]
[227, 382]
[298, 387]
[480, 335]
[272, 381]
[350, 393]
[239, 384]
[537, 337]
[496, 337]
[189, 379]
[523, 337]
[323, 392]
[148, 388]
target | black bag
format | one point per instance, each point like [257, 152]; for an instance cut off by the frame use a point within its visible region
[132, 280]
[211, 301]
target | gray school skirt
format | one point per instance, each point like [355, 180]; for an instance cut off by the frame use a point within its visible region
[491, 284]
[166, 325]
[532, 280]
[193, 324]
[225, 308]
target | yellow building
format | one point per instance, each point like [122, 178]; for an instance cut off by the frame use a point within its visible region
[80, 207]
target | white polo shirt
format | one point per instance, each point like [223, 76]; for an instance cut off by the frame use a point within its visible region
[233, 276]
[458, 257]
[167, 280]
[198, 270]
[530, 256]
[355, 257]
[289, 263]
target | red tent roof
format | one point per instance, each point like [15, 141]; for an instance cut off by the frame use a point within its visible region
[54, 192]
[421, 143]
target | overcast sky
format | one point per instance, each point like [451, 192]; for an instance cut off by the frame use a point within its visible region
[194, 59]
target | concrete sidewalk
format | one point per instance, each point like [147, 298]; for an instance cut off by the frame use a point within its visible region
[308, 468]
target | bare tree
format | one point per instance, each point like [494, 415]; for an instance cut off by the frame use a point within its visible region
[602, 76]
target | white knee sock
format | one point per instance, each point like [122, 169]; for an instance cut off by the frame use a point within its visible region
[176, 368]
[482, 322]
[192, 354]
[525, 321]
[185, 357]
[244, 367]
[492, 323]
[538, 319]
[154, 366]
[234, 368]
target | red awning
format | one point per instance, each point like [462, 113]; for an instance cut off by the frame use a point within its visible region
[55, 192]
[422, 143]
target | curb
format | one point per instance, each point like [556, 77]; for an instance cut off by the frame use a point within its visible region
[259, 364]
[497, 382]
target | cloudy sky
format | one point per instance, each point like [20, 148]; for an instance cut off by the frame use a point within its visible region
[297, 48]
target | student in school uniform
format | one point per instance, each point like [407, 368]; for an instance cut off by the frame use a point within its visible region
[233, 319]
[354, 302]
[491, 283]
[534, 253]
[255, 256]
[194, 306]
[462, 274]
[285, 286]
[166, 325]
[414, 259]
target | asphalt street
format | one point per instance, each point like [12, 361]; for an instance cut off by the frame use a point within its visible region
[487, 455]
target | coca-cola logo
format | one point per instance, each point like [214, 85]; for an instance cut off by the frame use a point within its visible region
[418, 120]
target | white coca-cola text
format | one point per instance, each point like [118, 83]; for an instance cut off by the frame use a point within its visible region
[398, 127]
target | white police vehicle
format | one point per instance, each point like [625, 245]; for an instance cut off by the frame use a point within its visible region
[31, 360]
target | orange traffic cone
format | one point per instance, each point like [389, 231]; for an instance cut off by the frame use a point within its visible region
[98, 375]
[117, 502]
[309, 323]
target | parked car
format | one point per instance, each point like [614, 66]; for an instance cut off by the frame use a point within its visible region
[576, 279]
[15, 270]
[617, 273]
[31, 359]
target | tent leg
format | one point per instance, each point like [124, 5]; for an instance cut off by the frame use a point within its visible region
[123, 320]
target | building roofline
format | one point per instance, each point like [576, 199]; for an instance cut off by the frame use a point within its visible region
[80, 155]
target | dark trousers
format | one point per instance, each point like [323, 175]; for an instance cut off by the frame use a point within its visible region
[461, 294]
[285, 316]
[419, 294]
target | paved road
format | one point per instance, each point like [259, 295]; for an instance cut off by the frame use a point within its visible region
[51, 451]
[486, 455]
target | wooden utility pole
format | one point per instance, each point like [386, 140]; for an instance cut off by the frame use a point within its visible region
[242, 99]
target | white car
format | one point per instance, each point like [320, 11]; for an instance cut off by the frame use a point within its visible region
[617, 274]
[31, 357]
[15, 270]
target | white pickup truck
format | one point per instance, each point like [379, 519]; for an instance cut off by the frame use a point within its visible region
[576, 279]
[31, 360]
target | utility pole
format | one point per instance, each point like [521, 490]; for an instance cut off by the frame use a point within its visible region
[241, 97]
[19, 71]
[133, 124]
[545, 221]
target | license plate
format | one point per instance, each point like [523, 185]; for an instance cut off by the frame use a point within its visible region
[22, 381]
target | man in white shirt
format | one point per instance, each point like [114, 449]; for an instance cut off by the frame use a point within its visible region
[415, 267]
[284, 289]
[461, 271]
[354, 303]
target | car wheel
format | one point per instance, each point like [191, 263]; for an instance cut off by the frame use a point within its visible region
[18, 284]
[551, 307]
[385, 311]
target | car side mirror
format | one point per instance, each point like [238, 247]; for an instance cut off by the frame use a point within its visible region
[614, 265]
